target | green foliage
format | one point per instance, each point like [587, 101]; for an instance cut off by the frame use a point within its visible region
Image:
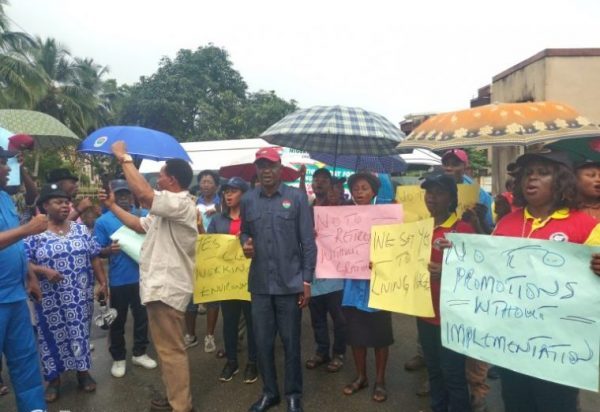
[478, 161]
[200, 96]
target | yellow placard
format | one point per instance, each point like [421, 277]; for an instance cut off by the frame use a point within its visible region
[412, 198]
[221, 269]
[400, 254]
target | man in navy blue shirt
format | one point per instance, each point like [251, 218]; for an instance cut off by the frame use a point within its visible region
[277, 233]
[124, 280]
[17, 342]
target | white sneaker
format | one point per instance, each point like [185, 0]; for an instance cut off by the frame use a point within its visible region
[92, 347]
[144, 361]
[190, 341]
[209, 343]
[118, 368]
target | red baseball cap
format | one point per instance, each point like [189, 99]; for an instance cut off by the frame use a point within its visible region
[269, 153]
[459, 154]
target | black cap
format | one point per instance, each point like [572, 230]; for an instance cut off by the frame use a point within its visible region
[322, 171]
[51, 191]
[442, 180]
[56, 175]
[446, 183]
[6, 154]
[548, 155]
[117, 185]
[336, 180]
[587, 163]
[235, 183]
[369, 177]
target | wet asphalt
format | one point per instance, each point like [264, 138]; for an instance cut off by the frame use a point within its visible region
[322, 390]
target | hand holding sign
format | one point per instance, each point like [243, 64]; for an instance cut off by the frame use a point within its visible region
[248, 248]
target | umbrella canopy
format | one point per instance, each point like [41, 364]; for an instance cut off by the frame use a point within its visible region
[47, 131]
[247, 171]
[585, 148]
[336, 130]
[379, 164]
[141, 142]
[502, 124]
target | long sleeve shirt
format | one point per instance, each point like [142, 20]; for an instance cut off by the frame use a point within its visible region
[285, 251]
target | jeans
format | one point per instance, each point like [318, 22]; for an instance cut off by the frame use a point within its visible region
[18, 344]
[319, 307]
[273, 314]
[446, 371]
[522, 393]
[121, 298]
[232, 309]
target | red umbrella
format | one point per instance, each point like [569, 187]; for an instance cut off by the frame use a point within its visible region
[247, 171]
[20, 142]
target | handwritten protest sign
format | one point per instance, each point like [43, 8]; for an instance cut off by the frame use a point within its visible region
[129, 241]
[344, 235]
[221, 269]
[528, 305]
[412, 198]
[400, 279]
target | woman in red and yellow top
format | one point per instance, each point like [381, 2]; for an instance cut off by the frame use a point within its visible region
[546, 188]
[445, 368]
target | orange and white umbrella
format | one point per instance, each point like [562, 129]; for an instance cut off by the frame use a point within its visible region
[501, 124]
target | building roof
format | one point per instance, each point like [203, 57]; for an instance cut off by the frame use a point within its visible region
[588, 52]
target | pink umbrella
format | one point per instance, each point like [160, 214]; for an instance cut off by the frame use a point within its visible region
[247, 171]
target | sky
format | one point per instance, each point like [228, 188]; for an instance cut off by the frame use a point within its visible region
[391, 57]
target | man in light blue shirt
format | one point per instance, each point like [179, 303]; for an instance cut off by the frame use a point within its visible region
[124, 277]
[456, 163]
[17, 342]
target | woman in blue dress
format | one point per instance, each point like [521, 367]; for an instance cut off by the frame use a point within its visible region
[65, 257]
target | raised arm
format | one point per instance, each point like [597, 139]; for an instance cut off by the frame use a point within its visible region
[37, 224]
[130, 220]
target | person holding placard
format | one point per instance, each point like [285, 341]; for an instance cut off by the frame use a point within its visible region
[124, 280]
[546, 189]
[366, 327]
[445, 368]
[229, 222]
[456, 164]
[208, 205]
[326, 294]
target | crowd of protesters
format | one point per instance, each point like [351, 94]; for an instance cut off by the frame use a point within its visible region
[53, 257]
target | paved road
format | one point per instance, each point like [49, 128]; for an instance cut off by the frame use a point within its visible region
[323, 391]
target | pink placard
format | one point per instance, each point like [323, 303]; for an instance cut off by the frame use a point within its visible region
[343, 236]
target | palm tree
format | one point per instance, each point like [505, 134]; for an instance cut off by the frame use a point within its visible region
[66, 96]
[20, 82]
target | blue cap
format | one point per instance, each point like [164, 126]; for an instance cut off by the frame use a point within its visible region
[235, 183]
[118, 185]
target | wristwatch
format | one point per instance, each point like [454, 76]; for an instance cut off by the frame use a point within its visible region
[126, 158]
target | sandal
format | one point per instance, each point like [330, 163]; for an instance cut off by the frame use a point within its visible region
[379, 393]
[220, 354]
[3, 389]
[160, 404]
[355, 386]
[316, 361]
[52, 392]
[336, 363]
[86, 382]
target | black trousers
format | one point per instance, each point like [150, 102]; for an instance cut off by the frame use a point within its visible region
[319, 307]
[122, 298]
[522, 393]
[274, 315]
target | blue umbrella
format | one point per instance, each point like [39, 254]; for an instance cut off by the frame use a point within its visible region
[379, 164]
[141, 142]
